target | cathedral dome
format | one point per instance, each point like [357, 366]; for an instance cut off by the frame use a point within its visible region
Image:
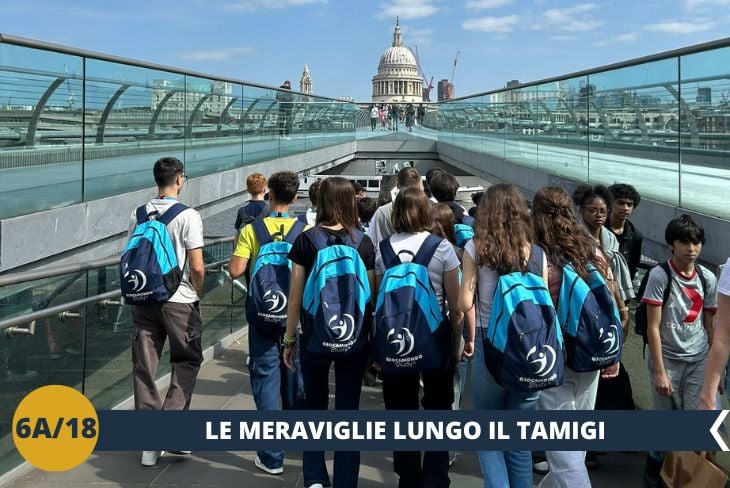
[398, 55]
[398, 78]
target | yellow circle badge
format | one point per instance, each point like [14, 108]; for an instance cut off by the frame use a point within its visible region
[55, 428]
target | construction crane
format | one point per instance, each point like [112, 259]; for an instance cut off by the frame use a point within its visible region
[453, 70]
[427, 86]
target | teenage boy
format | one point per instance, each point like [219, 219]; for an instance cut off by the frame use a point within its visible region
[179, 317]
[256, 206]
[310, 216]
[679, 330]
[271, 380]
[625, 201]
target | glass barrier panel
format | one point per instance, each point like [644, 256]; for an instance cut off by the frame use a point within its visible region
[633, 124]
[41, 130]
[134, 116]
[213, 139]
[705, 132]
[520, 137]
[563, 135]
[260, 125]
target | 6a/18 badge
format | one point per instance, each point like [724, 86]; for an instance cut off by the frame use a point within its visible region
[55, 428]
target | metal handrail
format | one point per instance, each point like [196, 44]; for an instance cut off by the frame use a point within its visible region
[47, 46]
[685, 51]
[37, 274]
[64, 307]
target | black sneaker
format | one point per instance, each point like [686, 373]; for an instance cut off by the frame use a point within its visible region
[591, 460]
[652, 470]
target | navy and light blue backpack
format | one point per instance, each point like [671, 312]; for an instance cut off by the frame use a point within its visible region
[336, 294]
[268, 291]
[148, 270]
[464, 230]
[407, 312]
[590, 321]
[523, 344]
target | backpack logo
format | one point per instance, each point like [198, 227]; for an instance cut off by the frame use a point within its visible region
[403, 341]
[137, 279]
[344, 328]
[277, 301]
[611, 336]
[545, 360]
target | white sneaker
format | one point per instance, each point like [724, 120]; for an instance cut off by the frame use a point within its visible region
[150, 458]
[316, 485]
[257, 462]
[180, 453]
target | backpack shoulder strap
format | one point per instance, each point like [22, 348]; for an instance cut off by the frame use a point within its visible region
[142, 215]
[390, 258]
[263, 212]
[302, 218]
[261, 232]
[427, 250]
[468, 220]
[171, 213]
[294, 231]
[703, 280]
[317, 237]
[665, 266]
[536, 262]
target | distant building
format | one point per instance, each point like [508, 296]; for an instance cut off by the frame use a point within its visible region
[177, 96]
[445, 90]
[398, 79]
[305, 82]
[704, 95]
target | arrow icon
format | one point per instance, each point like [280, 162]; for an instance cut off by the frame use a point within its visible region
[716, 426]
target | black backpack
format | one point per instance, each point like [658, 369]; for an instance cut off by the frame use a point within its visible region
[641, 322]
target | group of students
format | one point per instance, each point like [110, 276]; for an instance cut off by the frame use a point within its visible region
[421, 293]
[390, 115]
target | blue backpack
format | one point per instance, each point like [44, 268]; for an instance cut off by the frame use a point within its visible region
[268, 291]
[148, 270]
[590, 321]
[336, 294]
[523, 344]
[407, 312]
[464, 230]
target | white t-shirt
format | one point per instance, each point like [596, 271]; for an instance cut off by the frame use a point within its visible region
[186, 233]
[444, 259]
[723, 284]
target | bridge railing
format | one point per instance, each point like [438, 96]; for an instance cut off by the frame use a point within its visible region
[661, 123]
[67, 326]
[77, 125]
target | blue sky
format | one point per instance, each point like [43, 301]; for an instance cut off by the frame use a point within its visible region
[267, 41]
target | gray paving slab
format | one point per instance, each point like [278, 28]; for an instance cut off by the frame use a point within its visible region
[223, 384]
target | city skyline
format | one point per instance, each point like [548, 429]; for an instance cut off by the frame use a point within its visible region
[341, 42]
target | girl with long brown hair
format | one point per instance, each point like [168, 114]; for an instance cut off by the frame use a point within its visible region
[503, 243]
[565, 240]
[337, 222]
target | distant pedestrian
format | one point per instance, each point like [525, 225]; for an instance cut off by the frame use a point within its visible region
[286, 107]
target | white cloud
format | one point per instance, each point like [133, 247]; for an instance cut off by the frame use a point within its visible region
[677, 27]
[418, 37]
[407, 9]
[486, 4]
[253, 5]
[620, 39]
[562, 38]
[217, 54]
[695, 4]
[573, 18]
[492, 24]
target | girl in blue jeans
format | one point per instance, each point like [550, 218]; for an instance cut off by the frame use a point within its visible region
[502, 244]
